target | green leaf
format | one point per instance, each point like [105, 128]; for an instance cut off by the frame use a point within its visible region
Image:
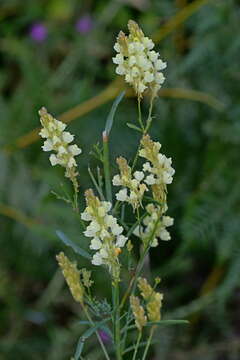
[84, 322]
[79, 348]
[142, 344]
[131, 230]
[71, 244]
[131, 126]
[110, 117]
[161, 322]
[99, 190]
[167, 322]
[87, 334]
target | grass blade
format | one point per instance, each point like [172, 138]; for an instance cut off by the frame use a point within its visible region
[109, 121]
[71, 244]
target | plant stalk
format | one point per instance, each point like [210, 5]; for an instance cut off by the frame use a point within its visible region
[133, 283]
[137, 345]
[96, 332]
[116, 319]
[106, 167]
[148, 342]
[149, 119]
[140, 114]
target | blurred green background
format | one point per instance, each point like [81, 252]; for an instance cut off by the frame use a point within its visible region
[58, 53]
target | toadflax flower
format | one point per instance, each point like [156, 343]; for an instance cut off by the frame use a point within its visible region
[138, 62]
[155, 223]
[72, 277]
[158, 174]
[153, 300]
[158, 165]
[138, 312]
[107, 238]
[133, 190]
[58, 140]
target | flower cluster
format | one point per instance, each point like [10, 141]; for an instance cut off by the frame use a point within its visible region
[106, 234]
[152, 298]
[158, 165]
[158, 173]
[72, 277]
[138, 312]
[58, 140]
[153, 303]
[137, 61]
[154, 223]
[133, 190]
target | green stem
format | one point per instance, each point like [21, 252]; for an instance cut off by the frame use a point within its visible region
[140, 114]
[106, 167]
[117, 336]
[136, 157]
[149, 119]
[133, 283]
[137, 345]
[96, 332]
[75, 195]
[142, 126]
[148, 343]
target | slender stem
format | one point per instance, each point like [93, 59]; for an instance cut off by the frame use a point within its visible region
[96, 332]
[140, 113]
[133, 283]
[144, 129]
[137, 345]
[149, 119]
[116, 207]
[132, 286]
[148, 342]
[99, 190]
[106, 167]
[136, 157]
[116, 319]
[75, 195]
[127, 292]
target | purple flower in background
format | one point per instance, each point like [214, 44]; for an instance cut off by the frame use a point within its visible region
[104, 336]
[38, 32]
[84, 24]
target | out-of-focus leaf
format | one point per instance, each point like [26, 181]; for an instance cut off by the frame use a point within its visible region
[75, 247]
[109, 121]
[132, 126]
[86, 335]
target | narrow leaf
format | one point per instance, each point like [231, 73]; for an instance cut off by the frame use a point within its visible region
[167, 322]
[99, 190]
[131, 126]
[97, 324]
[86, 335]
[110, 117]
[161, 322]
[71, 244]
[142, 344]
[84, 322]
[79, 348]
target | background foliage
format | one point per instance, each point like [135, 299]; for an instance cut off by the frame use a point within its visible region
[198, 128]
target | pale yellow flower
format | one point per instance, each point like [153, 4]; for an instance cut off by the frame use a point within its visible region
[137, 61]
[138, 312]
[72, 277]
